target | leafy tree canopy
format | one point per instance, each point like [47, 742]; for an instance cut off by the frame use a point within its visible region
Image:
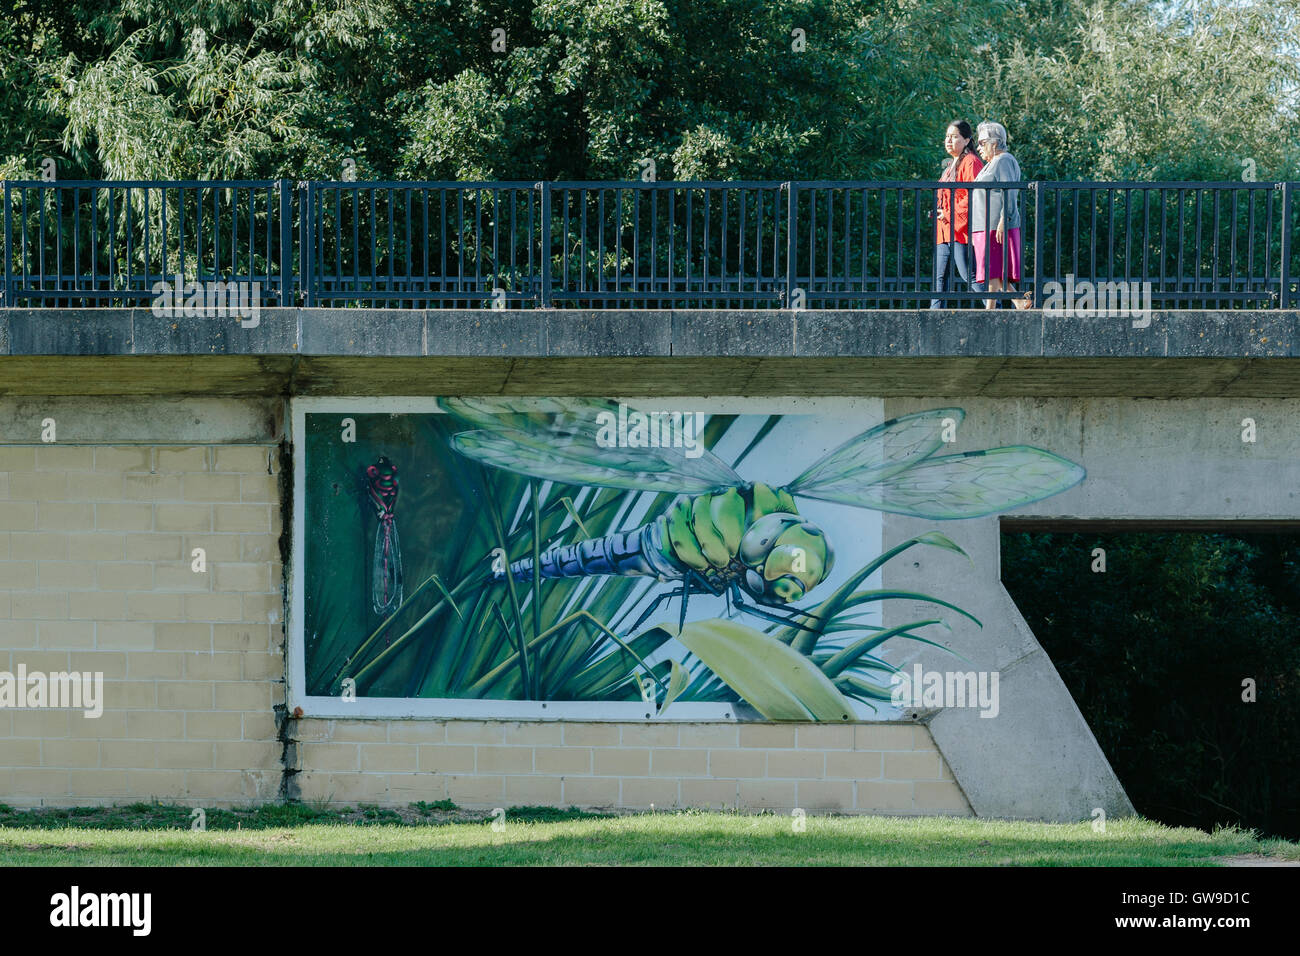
[1155, 652]
[586, 89]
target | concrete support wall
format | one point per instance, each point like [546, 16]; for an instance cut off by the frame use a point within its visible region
[97, 574]
[1146, 459]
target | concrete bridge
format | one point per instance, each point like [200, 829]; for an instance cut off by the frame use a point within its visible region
[128, 440]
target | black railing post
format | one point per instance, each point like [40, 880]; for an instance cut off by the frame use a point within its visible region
[1285, 297]
[6, 296]
[285, 189]
[544, 292]
[791, 208]
[306, 248]
[1038, 244]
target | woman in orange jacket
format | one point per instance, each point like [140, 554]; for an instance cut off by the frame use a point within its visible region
[952, 225]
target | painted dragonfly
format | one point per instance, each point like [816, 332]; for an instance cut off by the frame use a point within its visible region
[724, 535]
[386, 560]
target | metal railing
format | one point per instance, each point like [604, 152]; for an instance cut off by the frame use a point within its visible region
[826, 244]
[110, 243]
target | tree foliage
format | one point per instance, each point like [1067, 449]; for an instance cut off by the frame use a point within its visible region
[1155, 650]
[1138, 91]
[721, 89]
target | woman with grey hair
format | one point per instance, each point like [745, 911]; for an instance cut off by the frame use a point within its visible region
[996, 217]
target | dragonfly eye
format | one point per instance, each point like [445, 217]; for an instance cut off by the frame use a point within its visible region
[762, 534]
[787, 589]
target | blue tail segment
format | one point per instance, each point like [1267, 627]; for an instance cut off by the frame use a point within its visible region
[622, 552]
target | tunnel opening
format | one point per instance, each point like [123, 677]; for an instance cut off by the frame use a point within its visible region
[1180, 644]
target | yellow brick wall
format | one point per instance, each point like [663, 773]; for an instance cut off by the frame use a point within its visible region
[95, 575]
[860, 768]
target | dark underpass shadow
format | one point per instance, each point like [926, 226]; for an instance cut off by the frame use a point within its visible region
[1182, 651]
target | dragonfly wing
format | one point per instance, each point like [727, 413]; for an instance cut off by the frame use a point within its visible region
[887, 449]
[968, 485]
[542, 415]
[576, 442]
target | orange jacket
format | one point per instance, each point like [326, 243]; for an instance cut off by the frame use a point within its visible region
[966, 171]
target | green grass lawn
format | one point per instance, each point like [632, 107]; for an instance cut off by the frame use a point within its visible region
[443, 835]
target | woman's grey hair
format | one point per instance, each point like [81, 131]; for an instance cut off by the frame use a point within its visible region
[992, 131]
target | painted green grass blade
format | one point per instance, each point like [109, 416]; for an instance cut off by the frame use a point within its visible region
[868, 597]
[387, 622]
[609, 668]
[577, 519]
[777, 681]
[521, 658]
[578, 617]
[863, 690]
[630, 686]
[458, 642]
[705, 685]
[804, 641]
[676, 684]
[848, 655]
[413, 629]
[601, 598]
[494, 512]
[457, 646]
[357, 655]
[535, 687]
[867, 662]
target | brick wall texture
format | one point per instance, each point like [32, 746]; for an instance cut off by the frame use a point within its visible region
[865, 767]
[97, 574]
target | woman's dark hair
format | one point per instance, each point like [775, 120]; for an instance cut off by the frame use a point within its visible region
[964, 129]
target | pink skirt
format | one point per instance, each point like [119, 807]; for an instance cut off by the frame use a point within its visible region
[992, 269]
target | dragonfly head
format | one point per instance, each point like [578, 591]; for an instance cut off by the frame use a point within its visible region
[785, 557]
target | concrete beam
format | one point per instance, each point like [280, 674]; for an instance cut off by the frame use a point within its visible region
[1003, 353]
[129, 420]
[266, 375]
[595, 333]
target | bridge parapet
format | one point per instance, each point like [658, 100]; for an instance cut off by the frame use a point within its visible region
[590, 352]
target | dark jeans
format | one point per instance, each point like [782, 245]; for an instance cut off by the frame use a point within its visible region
[946, 255]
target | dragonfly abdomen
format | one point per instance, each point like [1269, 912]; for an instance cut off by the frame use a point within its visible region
[636, 552]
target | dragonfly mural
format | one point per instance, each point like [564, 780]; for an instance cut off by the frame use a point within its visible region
[727, 536]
